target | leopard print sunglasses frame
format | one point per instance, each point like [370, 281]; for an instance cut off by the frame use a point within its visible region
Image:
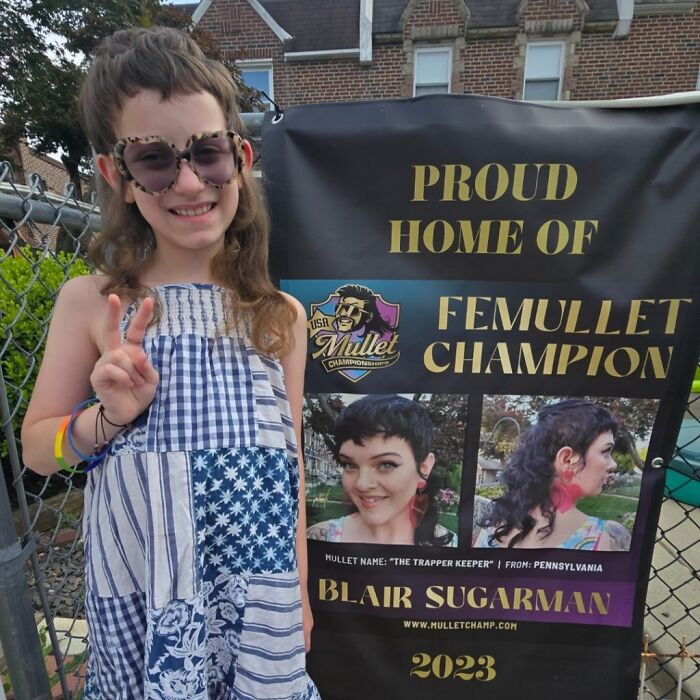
[179, 155]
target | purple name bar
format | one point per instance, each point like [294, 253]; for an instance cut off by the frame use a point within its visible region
[446, 598]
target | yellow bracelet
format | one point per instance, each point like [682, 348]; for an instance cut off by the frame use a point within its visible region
[58, 447]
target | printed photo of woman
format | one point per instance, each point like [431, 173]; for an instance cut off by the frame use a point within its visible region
[383, 445]
[564, 457]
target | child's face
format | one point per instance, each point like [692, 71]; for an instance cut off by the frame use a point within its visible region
[192, 215]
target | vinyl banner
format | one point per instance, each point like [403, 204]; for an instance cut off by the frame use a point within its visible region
[502, 304]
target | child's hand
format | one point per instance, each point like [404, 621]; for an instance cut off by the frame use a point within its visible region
[124, 378]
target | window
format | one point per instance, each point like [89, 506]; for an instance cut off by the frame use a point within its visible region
[543, 70]
[258, 75]
[432, 70]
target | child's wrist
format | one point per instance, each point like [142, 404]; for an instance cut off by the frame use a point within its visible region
[87, 432]
[111, 416]
[73, 443]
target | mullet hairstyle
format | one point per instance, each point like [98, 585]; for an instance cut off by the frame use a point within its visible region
[528, 476]
[171, 63]
[390, 416]
[377, 324]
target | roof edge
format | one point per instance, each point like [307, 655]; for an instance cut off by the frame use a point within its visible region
[664, 8]
[201, 9]
[281, 33]
[266, 17]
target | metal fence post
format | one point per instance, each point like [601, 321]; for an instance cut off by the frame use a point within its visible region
[18, 631]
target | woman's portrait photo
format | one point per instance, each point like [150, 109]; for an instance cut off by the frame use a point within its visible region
[558, 473]
[384, 469]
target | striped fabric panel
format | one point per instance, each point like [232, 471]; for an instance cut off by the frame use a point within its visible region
[274, 415]
[139, 528]
[309, 693]
[114, 523]
[271, 663]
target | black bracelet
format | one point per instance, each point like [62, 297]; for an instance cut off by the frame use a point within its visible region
[103, 417]
[98, 423]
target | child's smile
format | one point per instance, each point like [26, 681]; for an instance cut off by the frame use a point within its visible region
[194, 210]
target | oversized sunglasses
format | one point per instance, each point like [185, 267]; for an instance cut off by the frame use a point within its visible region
[348, 309]
[153, 163]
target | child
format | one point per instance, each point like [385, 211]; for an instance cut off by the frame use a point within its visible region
[192, 535]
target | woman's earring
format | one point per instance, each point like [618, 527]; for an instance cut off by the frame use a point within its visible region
[563, 492]
[418, 504]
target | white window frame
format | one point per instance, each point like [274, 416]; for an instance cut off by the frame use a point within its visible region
[438, 48]
[562, 54]
[261, 65]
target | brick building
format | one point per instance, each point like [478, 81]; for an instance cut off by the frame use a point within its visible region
[305, 51]
[26, 160]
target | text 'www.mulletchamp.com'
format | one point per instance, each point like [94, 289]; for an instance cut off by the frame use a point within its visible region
[460, 625]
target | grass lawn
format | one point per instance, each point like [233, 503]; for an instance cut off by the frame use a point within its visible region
[332, 510]
[449, 520]
[632, 491]
[607, 506]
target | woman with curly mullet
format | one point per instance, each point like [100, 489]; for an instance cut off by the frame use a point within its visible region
[566, 455]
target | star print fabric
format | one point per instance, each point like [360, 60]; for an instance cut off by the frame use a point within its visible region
[245, 508]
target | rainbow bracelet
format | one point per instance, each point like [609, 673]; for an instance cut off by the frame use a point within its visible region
[58, 447]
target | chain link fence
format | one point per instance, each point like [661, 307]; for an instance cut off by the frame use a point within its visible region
[42, 237]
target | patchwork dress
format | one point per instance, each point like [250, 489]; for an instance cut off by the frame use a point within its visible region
[192, 590]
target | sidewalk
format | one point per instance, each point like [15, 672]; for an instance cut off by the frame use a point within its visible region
[674, 601]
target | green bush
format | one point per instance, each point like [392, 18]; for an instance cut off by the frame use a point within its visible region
[491, 491]
[625, 463]
[29, 282]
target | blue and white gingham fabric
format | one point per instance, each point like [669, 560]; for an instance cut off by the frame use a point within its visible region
[192, 589]
[117, 642]
[206, 398]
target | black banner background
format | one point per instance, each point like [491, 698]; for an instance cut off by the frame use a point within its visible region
[336, 177]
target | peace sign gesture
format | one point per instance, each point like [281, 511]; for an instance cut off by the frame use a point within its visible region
[124, 378]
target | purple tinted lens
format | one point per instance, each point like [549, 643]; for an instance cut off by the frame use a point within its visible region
[214, 159]
[152, 165]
